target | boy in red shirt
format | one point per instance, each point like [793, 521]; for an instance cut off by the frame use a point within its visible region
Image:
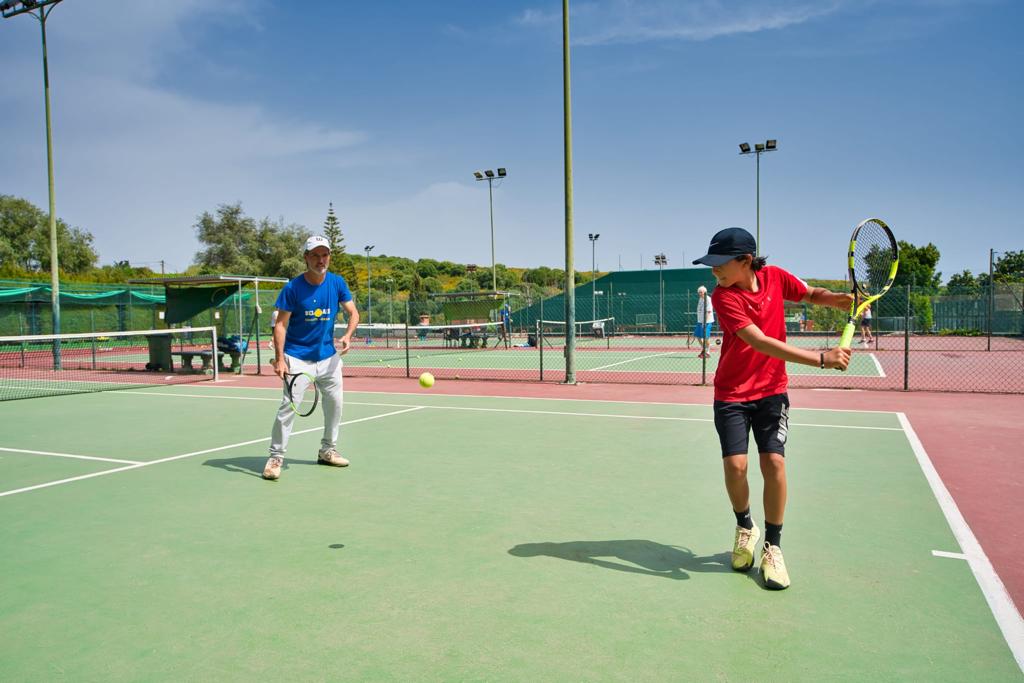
[751, 382]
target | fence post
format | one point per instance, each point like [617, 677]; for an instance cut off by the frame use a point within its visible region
[991, 295]
[906, 345]
[407, 315]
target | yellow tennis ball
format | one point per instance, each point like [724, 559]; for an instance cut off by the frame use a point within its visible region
[426, 380]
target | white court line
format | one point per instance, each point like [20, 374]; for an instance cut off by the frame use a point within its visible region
[999, 601]
[553, 398]
[630, 360]
[189, 455]
[952, 556]
[881, 372]
[509, 410]
[70, 455]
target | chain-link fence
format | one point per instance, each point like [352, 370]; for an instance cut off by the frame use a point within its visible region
[918, 340]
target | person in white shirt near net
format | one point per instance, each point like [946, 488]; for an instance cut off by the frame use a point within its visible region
[705, 320]
[865, 327]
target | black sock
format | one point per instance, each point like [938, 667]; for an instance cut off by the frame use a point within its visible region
[743, 519]
[773, 534]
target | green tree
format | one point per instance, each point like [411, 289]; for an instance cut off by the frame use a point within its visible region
[280, 249]
[25, 240]
[1009, 267]
[341, 261]
[427, 267]
[231, 241]
[917, 267]
[963, 284]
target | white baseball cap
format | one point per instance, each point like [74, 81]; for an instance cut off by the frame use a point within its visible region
[314, 242]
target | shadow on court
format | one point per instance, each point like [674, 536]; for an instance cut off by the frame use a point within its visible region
[250, 465]
[644, 557]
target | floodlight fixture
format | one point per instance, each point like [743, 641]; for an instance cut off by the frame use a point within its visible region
[489, 173]
[502, 173]
[744, 148]
[478, 175]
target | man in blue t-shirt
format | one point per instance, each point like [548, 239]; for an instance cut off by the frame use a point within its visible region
[304, 343]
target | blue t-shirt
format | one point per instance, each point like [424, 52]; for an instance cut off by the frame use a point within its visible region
[310, 333]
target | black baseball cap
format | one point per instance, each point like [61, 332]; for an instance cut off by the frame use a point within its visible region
[726, 245]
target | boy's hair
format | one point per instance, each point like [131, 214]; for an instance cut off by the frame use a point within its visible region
[756, 262]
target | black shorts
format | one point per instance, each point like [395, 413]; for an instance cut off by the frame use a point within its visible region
[866, 323]
[768, 417]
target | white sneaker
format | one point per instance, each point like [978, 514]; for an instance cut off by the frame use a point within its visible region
[272, 470]
[331, 457]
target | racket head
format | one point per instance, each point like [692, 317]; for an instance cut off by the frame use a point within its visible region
[303, 393]
[874, 258]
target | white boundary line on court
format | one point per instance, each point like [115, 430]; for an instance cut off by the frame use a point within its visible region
[667, 418]
[630, 360]
[992, 587]
[70, 455]
[189, 455]
[951, 556]
[203, 387]
[881, 372]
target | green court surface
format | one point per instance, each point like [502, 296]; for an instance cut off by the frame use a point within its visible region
[472, 538]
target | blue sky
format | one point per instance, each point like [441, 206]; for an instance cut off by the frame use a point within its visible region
[908, 110]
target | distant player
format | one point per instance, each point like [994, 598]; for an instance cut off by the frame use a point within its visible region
[865, 327]
[705, 320]
[751, 382]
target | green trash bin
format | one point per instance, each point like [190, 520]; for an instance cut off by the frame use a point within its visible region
[159, 353]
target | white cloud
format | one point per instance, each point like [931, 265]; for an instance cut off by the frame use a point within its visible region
[135, 159]
[633, 21]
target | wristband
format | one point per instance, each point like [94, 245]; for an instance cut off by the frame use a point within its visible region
[821, 357]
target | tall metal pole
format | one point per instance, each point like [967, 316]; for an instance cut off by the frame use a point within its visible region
[490, 198]
[570, 272]
[661, 297]
[54, 256]
[369, 302]
[757, 245]
[593, 279]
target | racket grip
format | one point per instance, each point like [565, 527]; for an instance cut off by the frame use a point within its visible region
[847, 339]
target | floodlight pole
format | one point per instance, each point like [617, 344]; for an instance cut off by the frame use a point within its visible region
[759, 149]
[593, 275]
[488, 175]
[570, 268]
[661, 260]
[490, 204]
[9, 12]
[369, 302]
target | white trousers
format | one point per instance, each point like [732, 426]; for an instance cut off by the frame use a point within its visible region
[328, 379]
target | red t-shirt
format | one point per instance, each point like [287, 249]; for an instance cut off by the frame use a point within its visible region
[744, 374]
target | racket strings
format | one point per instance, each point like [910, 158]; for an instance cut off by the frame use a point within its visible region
[873, 256]
[303, 393]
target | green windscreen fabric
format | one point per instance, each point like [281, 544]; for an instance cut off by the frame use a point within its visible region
[186, 302]
[470, 310]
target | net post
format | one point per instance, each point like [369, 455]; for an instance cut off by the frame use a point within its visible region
[259, 360]
[216, 360]
[540, 346]
[906, 344]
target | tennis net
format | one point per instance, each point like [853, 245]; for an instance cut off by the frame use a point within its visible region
[50, 365]
[588, 332]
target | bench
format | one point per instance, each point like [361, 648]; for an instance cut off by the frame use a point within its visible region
[207, 359]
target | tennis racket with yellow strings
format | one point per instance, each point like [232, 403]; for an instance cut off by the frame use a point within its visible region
[874, 259]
